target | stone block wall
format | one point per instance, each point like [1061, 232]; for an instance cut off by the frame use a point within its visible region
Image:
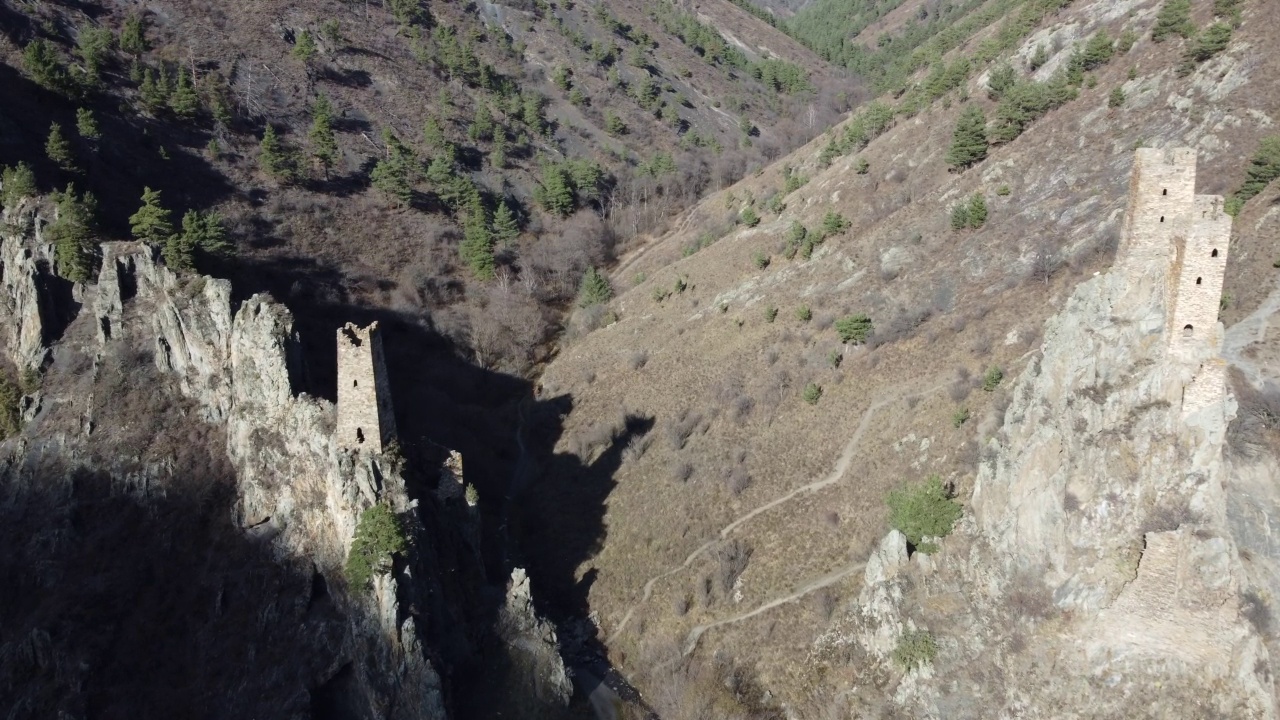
[366, 420]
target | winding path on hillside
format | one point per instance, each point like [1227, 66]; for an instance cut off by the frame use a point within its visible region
[830, 579]
[841, 467]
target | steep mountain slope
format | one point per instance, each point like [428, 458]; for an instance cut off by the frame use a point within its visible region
[738, 527]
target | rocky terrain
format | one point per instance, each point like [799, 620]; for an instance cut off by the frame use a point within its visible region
[682, 485]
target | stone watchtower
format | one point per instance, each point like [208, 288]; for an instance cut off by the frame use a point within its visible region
[365, 417]
[1168, 224]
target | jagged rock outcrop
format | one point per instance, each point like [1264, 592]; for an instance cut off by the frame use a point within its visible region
[1095, 573]
[538, 669]
[22, 332]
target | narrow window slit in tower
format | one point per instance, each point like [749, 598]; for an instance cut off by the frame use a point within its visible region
[1198, 280]
[1161, 218]
[1214, 253]
[1165, 191]
[355, 383]
[360, 433]
[1187, 330]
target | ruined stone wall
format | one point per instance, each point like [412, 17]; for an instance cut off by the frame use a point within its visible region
[365, 416]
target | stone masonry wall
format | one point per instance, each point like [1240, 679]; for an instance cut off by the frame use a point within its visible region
[1199, 283]
[365, 416]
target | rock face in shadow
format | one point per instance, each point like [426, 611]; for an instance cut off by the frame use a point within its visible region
[174, 411]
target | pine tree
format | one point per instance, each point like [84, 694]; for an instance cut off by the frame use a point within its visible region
[86, 125]
[555, 193]
[594, 289]
[395, 173]
[433, 133]
[275, 158]
[614, 125]
[154, 90]
[204, 231]
[969, 141]
[482, 124]
[977, 211]
[16, 183]
[179, 250]
[1002, 78]
[498, 155]
[324, 144]
[59, 149]
[133, 37]
[1038, 58]
[93, 44]
[476, 248]
[960, 216]
[72, 235]
[505, 226]
[152, 223]
[184, 102]
[305, 47]
[1174, 18]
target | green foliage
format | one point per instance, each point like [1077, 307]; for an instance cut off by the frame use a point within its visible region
[1027, 102]
[1228, 10]
[277, 159]
[531, 106]
[812, 393]
[1098, 50]
[1263, 168]
[770, 313]
[40, 60]
[184, 102]
[960, 417]
[482, 125]
[133, 36]
[505, 226]
[594, 289]
[1038, 58]
[555, 193]
[324, 143]
[1116, 98]
[969, 141]
[1127, 40]
[991, 380]
[471, 495]
[1001, 78]
[200, 231]
[915, 649]
[614, 125]
[749, 217]
[791, 181]
[1003, 190]
[16, 183]
[93, 46]
[1212, 41]
[960, 216]
[58, 149]
[152, 223]
[305, 47]
[331, 31]
[977, 211]
[86, 125]
[835, 358]
[833, 223]
[72, 234]
[804, 314]
[854, 329]
[10, 419]
[154, 90]
[409, 12]
[862, 167]
[1174, 18]
[560, 76]
[476, 248]
[379, 536]
[498, 153]
[760, 260]
[923, 510]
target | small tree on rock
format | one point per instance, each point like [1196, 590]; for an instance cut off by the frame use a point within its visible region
[923, 510]
[72, 234]
[152, 223]
[379, 536]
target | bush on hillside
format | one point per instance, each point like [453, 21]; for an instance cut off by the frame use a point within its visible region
[916, 648]
[854, 329]
[969, 141]
[594, 289]
[379, 536]
[923, 510]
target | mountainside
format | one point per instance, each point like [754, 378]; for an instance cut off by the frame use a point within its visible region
[775, 443]
[688, 359]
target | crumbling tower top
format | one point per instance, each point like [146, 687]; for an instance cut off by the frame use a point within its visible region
[365, 417]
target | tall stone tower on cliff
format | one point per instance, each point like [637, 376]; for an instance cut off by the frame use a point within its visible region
[1168, 224]
[365, 417]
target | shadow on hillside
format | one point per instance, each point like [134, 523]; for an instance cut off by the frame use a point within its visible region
[553, 503]
[115, 169]
[128, 598]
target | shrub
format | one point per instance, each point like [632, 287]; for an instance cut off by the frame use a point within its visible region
[992, 379]
[1174, 18]
[804, 314]
[923, 510]
[750, 218]
[1127, 40]
[812, 393]
[276, 159]
[834, 358]
[379, 536]
[1116, 98]
[960, 417]
[10, 419]
[833, 223]
[862, 167]
[960, 216]
[594, 289]
[916, 648]
[969, 141]
[770, 314]
[854, 329]
[16, 183]
[1263, 168]
[1003, 191]
[1098, 50]
[152, 223]
[760, 260]
[58, 148]
[977, 211]
[86, 125]
[1212, 41]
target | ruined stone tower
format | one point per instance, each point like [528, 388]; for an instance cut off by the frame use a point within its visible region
[365, 417]
[1168, 224]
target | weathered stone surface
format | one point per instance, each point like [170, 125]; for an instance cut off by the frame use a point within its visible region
[533, 648]
[21, 324]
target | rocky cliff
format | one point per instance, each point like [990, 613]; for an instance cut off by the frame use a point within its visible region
[233, 420]
[1097, 572]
